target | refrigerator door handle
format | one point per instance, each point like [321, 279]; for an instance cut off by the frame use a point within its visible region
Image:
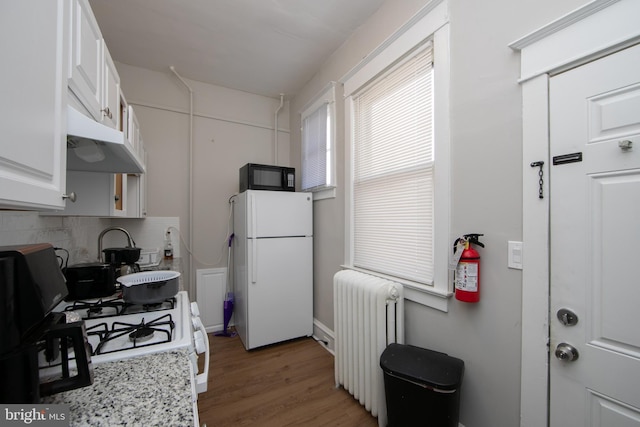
[252, 209]
[252, 233]
[254, 261]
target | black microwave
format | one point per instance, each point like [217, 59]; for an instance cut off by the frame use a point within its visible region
[267, 177]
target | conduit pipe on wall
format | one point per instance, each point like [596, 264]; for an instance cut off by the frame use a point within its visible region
[275, 143]
[191, 281]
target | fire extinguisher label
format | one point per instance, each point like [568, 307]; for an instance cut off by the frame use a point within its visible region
[455, 256]
[467, 277]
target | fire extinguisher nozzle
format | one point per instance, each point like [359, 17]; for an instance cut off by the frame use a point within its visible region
[474, 238]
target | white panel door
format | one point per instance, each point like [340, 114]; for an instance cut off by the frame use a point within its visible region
[595, 228]
[279, 213]
[280, 290]
[211, 291]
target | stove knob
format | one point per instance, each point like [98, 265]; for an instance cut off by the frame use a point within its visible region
[199, 342]
[194, 322]
[195, 311]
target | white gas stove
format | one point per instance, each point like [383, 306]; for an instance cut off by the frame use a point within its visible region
[117, 330]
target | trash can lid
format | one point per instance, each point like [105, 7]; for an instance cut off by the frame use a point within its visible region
[421, 366]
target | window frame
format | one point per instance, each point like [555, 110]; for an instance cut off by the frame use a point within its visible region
[327, 96]
[430, 23]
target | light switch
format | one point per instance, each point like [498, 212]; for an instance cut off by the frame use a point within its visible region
[515, 255]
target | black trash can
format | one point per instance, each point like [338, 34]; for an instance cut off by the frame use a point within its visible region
[422, 387]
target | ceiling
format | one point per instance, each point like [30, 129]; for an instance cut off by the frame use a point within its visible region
[266, 47]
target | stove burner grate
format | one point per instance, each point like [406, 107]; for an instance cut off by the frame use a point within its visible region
[137, 333]
[99, 308]
[116, 307]
[168, 304]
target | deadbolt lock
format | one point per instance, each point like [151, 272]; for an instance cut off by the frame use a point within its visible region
[567, 317]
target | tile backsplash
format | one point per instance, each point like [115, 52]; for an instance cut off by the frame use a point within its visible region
[79, 235]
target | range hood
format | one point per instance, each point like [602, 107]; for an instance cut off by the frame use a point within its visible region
[94, 147]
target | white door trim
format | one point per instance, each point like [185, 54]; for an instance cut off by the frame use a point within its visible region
[590, 32]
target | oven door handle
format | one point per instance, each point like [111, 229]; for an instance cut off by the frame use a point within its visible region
[203, 378]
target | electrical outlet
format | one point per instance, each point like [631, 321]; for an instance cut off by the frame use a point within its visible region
[515, 255]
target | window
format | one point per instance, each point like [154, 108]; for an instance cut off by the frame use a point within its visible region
[318, 140]
[393, 171]
[397, 168]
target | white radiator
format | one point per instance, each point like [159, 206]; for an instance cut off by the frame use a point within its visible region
[368, 315]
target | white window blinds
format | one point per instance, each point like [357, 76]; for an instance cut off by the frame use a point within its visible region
[393, 189]
[314, 155]
[317, 142]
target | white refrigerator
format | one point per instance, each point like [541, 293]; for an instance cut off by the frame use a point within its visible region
[273, 266]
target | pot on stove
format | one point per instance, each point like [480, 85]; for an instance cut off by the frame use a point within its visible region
[117, 256]
[90, 280]
[149, 287]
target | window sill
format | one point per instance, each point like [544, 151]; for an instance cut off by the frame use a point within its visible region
[422, 295]
[427, 297]
[327, 193]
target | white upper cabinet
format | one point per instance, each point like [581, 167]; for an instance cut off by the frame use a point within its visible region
[110, 93]
[86, 59]
[93, 79]
[62, 109]
[100, 142]
[106, 194]
[34, 46]
[97, 194]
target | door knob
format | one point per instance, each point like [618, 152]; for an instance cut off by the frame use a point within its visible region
[566, 352]
[625, 145]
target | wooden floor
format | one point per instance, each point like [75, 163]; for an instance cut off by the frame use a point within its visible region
[288, 384]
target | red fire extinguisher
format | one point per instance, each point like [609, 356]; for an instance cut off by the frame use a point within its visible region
[467, 272]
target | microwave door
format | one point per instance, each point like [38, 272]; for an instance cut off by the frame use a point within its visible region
[267, 178]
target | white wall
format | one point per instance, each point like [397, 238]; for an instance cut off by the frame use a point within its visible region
[486, 149]
[230, 128]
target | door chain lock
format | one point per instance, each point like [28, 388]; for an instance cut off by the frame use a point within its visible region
[539, 164]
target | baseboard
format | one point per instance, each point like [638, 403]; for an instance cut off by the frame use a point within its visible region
[324, 336]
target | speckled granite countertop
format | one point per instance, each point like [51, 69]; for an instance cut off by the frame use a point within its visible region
[152, 390]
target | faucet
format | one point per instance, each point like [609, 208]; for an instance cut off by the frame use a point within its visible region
[130, 242]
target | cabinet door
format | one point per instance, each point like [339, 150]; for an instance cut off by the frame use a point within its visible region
[98, 194]
[137, 192]
[33, 103]
[134, 130]
[119, 195]
[111, 92]
[142, 193]
[86, 60]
